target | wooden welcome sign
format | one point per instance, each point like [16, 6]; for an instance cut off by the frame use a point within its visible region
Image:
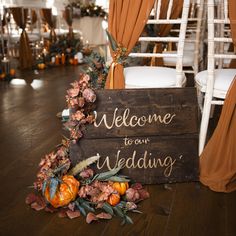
[151, 133]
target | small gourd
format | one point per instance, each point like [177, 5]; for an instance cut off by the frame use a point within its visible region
[120, 187]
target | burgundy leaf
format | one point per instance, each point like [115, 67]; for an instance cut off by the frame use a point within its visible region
[36, 206]
[71, 206]
[50, 209]
[137, 186]
[144, 194]
[90, 217]
[31, 197]
[72, 214]
[104, 215]
[88, 173]
[62, 213]
[132, 195]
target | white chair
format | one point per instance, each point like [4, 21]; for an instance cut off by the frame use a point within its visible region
[159, 77]
[194, 44]
[214, 82]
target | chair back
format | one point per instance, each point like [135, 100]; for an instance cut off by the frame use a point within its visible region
[180, 37]
[219, 36]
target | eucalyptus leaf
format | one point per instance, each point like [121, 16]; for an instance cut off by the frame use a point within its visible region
[107, 208]
[136, 211]
[123, 222]
[81, 209]
[128, 220]
[61, 167]
[112, 41]
[87, 206]
[53, 187]
[122, 204]
[44, 187]
[118, 211]
[117, 179]
[108, 174]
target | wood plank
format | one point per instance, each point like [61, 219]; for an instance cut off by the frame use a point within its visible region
[196, 211]
[144, 112]
[160, 160]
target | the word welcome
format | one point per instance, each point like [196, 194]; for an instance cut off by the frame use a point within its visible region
[127, 120]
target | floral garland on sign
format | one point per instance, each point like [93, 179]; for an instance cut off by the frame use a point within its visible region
[81, 10]
[74, 191]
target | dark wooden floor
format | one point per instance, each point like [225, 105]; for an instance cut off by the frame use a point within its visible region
[29, 129]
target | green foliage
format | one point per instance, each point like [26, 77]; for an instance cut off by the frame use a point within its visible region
[97, 70]
[53, 184]
[112, 41]
[107, 208]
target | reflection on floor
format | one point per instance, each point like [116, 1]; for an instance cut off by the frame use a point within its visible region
[29, 129]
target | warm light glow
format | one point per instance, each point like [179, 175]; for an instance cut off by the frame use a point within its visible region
[36, 84]
[18, 82]
[104, 24]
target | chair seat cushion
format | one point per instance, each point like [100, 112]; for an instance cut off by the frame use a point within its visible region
[150, 77]
[223, 79]
[188, 58]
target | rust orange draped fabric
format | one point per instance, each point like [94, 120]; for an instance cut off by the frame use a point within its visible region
[218, 159]
[232, 17]
[25, 53]
[68, 16]
[33, 17]
[127, 19]
[48, 17]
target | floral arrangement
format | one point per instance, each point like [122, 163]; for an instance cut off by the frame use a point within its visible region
[92, 10]
[97, 70]
[77, 190]
[60, 52]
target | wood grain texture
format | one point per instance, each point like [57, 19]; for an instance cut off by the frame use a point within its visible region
[151, 133]
[29, 129]
[142, 103]
[163, 159]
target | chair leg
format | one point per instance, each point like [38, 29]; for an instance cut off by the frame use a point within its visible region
[204, 123]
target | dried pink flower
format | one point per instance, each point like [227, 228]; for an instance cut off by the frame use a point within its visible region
[132, 195]
[75, 134]
[89, 95]
[73, 92]
[88, 173]
[81, 101]
[78, 115]
[84, 79]
[75, 84]
[72, 102]
[131, 206]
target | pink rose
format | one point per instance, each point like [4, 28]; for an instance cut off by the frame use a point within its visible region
[80, 101]
[89, 95]
[88, 173]
[132, 195]
[73, 92]
[78, 116]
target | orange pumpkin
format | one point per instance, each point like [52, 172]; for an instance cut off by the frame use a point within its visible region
[65, 193]
[120, 187]
[113, 199]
